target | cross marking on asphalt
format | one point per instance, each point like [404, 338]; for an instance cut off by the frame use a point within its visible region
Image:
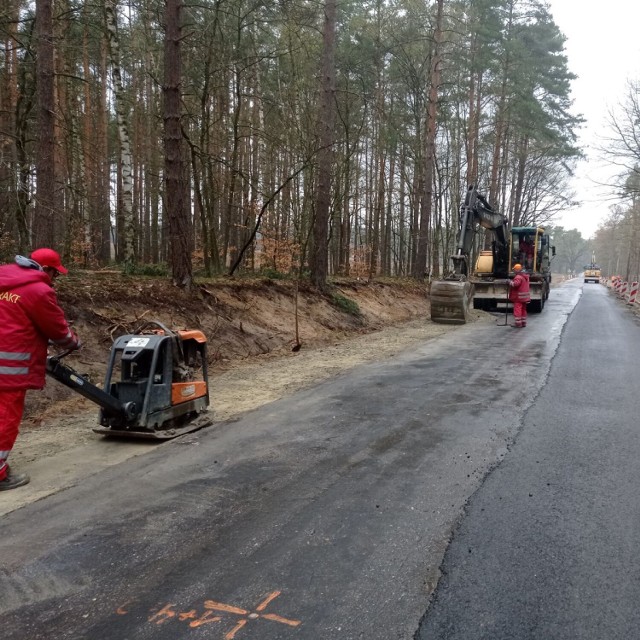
[211, 614]
[258, 613]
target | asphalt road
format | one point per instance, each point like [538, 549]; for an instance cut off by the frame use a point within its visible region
[326, 515]
[550, 545]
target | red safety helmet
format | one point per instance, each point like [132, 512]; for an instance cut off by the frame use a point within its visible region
[49, 258]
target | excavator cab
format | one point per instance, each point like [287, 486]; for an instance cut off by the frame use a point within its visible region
[531, 247]
[525, 247]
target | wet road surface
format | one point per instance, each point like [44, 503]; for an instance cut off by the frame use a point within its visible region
[550, 544]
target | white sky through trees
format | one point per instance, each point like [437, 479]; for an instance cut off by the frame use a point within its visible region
[603, 49]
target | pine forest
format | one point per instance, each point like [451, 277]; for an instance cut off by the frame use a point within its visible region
[293, 136]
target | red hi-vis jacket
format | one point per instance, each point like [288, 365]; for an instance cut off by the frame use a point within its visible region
[519, 288]
[29, 317]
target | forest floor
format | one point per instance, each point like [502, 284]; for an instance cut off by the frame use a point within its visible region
[255, 354]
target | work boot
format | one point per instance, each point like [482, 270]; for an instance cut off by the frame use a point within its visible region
[13, 480]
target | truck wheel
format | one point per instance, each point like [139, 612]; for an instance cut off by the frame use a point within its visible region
[482, 304]
[535, 306]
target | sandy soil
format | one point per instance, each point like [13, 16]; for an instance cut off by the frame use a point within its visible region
[63, 449]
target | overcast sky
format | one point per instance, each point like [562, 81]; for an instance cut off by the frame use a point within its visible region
[603, 48]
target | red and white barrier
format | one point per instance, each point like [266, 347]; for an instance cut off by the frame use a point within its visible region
[625, 290]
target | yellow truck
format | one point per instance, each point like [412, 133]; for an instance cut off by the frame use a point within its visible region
[592, 271]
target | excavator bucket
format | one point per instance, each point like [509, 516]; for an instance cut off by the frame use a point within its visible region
[450, 301]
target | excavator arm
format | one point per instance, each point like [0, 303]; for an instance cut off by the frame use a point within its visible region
[475, 212]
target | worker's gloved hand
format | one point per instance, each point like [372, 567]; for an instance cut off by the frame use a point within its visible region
[78, 342]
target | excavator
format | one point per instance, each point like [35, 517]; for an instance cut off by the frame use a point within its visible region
[485, 286]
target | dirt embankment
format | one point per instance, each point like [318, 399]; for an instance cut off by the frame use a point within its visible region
[242, 319]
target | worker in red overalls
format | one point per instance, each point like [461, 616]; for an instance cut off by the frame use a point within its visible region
[519, 295]
[30, 317]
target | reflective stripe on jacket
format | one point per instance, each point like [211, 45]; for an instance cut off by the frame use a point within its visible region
[29, 318]
[519, 288]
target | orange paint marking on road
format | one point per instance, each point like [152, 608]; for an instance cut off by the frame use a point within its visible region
[212, 608]
[187, 615]
[232, 634]
[166, 613]
[272, 596]
[121, 610]
[205, 618]
[277, 618]
[253, 615]
[227, 608]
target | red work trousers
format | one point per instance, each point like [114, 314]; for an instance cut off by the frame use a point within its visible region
[11, 410]
[520, 314]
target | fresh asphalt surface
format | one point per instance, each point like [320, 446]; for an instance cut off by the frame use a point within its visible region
[549, 547]
[326, 515]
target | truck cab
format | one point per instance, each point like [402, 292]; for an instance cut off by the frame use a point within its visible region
[532, 248]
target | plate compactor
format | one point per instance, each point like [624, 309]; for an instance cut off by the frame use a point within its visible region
[156, 383]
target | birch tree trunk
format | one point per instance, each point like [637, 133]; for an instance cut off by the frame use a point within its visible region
[420, 266]
[102, 233]
[127, 252]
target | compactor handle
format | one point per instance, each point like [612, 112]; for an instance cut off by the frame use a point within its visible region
[72, 379]
[178, 352]
[58, 356]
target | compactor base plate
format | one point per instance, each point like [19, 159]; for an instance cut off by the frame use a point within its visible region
[166, 433]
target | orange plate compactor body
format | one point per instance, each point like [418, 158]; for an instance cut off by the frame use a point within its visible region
[156, 384]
